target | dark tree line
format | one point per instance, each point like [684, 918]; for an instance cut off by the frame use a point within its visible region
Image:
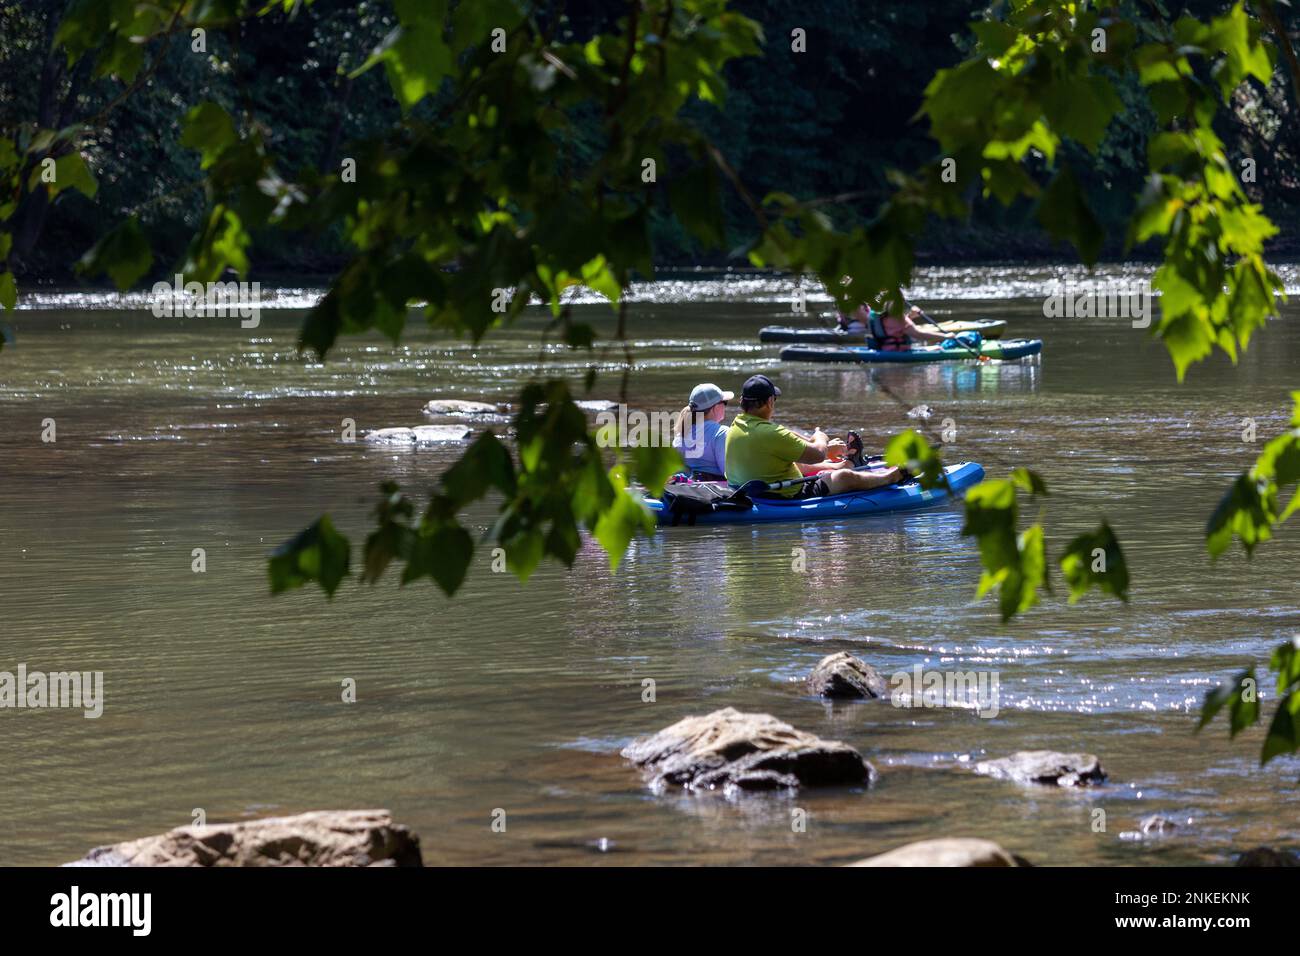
[827, 122]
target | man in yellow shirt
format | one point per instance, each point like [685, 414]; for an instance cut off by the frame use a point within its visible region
[758, 448]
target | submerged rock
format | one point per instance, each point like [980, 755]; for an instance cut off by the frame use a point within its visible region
[1156, 825]
[436, 434]
[419, 435]
[1267, 856]
[453, 406]
[734, 751]
[949, 851]
[1046, 767]
[845, 676]
[320, 838]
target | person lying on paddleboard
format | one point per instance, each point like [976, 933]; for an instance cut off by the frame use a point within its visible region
[857, 322]
[699, 433]
[758, 448]
[891, 333]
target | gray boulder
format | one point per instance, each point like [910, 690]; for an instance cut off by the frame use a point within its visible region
[451, 406]
[731, 751]
[1046, 767]
[419, 435]
[844, 676]
[948, 851]
[320, 838]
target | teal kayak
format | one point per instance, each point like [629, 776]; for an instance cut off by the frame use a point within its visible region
[859, 504]
[995, 349]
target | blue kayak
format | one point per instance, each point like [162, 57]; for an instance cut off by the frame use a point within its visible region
[991, 349]
[905, 497]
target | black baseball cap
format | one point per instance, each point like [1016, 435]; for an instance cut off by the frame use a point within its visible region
[758, 388]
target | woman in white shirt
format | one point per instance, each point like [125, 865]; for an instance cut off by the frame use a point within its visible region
[700, 435]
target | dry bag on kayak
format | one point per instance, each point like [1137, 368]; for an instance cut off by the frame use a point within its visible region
[685, 501]
[966, 340]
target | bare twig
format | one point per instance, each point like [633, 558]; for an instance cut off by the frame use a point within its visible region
[140, 78]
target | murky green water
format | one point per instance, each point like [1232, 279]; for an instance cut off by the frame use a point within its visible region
[174, 435]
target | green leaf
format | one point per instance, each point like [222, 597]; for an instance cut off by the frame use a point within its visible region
[222, 244]
[697, 204]
[209, 129]
[1245, 512]
[910, 450]
[472, 23]
[1015, 564]
[1251, 510]
[1284, 732]
[1019, 590]
[1082, 108]
[624, 519]
[317, 553]
[321, 329]
[121, 58]
[1030, 481]
[486, 465]
[392, 539]
[1285, 661]
[1065, 214]
[71, 172]
[83, 27]
[1094, 559]
[416, 60]
[655, 465]
[123, 254]
[8, 291]
[1240, 696]
[443, 552]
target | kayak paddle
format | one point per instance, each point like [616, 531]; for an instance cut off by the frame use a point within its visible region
[978, 356]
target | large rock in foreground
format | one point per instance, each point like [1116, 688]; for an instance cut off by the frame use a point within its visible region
[844, 676]
[320, 838]
[741, 752]
[952, 851]
[1046, 767]
[1267, 856]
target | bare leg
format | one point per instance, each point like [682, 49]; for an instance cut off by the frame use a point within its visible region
[846, 480]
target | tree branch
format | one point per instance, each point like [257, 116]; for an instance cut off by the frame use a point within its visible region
[1268, 14]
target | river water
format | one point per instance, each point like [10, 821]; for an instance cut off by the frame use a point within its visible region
[173, 435]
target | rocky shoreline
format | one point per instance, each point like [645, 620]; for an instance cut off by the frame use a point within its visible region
[725, 753]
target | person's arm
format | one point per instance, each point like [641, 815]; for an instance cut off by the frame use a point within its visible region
[720, 449]
[812, 449]
[819, 447]
[926, 332]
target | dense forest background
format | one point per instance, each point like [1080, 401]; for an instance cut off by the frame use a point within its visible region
[829, 122]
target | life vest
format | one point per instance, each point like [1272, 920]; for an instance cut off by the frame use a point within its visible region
[882, 338]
